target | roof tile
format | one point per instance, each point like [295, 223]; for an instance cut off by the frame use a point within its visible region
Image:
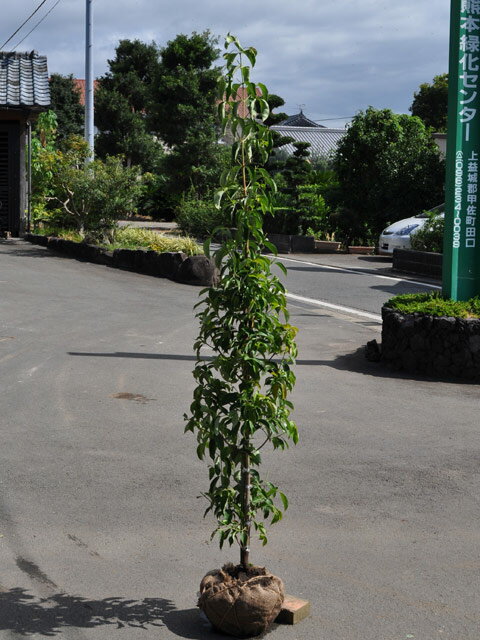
[23, 80]
[323, 140]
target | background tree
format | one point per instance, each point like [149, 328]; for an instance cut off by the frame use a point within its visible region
[182, 114]
[431, 101]
[388, 168]
[94, 197]
[274, 102]
[45, 158]
[65, 102]
[122, 101]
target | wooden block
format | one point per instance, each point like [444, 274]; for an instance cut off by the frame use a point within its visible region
[293, 610]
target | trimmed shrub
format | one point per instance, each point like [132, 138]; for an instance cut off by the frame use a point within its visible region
[434, 304]
[199, 218]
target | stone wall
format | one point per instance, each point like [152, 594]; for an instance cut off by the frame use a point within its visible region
[437, 346]
[292, 244]
[420, 263]
[196, 270]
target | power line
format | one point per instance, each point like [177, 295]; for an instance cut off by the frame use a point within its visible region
[23, 23]
[38, 23]
[339, 118]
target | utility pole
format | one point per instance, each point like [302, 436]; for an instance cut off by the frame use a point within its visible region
[89, 78]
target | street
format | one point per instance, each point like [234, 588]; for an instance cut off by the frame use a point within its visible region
[102, 534]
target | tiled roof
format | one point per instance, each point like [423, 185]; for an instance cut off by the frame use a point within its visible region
[80, 87]
[23, 80]
[322, 140]
[299, 120]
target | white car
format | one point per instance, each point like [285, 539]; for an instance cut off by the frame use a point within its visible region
[397, 235]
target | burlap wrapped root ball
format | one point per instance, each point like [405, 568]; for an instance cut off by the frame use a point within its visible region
[241, 603]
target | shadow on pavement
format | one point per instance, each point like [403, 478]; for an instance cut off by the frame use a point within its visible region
[25, 614]
[354, 362]
[375, 259]
[19, 251]
[357, 363]
[144, 356]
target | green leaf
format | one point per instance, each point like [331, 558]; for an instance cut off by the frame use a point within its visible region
[284, 500]
[206, 247]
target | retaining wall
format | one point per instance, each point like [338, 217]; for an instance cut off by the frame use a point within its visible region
[437, 346]
[196, 270]
[421, 263]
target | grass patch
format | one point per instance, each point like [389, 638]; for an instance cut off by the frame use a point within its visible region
[129, 238]
[434, 304]
[59, 232]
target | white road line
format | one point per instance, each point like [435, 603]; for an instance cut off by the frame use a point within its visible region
[335, 307]
[358, 270]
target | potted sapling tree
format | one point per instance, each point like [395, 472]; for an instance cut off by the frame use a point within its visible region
[241, 402]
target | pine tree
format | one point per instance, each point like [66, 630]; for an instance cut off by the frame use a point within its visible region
[65, 102]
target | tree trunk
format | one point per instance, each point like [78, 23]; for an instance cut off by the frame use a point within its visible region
[246, 524]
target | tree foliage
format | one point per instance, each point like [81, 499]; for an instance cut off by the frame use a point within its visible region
[121, 106]
[182, 113]
[274, 102]
[74, 195]
[430, 103]
[240, 403]
[65, 102]
[94, 196]
[184, 91]
[388, 168]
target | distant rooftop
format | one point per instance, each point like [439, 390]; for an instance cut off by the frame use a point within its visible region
[80, 87]
[23, 80]
[299, 120]
[322, 140]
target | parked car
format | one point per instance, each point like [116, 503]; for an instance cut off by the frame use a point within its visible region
[398, 234]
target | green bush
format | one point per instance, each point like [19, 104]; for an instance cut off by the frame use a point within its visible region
[430, 236]
[388, 167]
[95, 196]
[312, 211]
[434, 304]
[199, 218]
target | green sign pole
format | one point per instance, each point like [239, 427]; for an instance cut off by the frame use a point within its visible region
[461, 251]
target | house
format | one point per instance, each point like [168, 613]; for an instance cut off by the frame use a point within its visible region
[80, 87]
[300, 120]
[24, 93]
[441, 140]
[323, 141]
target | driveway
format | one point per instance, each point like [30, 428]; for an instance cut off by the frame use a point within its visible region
[101, 524]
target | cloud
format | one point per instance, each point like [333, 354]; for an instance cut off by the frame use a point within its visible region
[335, 57]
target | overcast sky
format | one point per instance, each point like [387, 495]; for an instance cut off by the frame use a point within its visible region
[333, 57]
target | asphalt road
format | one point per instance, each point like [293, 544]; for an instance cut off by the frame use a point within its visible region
[102, 531]
[359, 282]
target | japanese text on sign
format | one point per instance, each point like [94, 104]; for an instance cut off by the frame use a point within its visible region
[466, 167]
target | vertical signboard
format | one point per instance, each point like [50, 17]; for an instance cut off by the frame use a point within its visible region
[461, 254]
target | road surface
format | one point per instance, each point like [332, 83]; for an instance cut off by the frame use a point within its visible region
[101, 524]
